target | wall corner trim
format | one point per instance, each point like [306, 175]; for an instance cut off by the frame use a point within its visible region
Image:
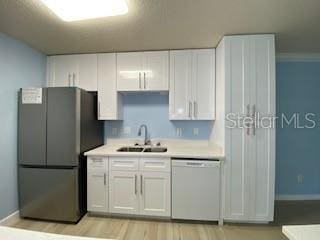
[302, 197]
[298, 57]
[11, 219]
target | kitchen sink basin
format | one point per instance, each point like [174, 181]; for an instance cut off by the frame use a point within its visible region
[141, 149]
[155, 149]
[130, 149]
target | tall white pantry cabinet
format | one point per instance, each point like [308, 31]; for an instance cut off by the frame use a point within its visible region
[245, 84]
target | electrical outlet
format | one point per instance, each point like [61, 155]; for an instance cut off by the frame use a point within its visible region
[114, 131]
[127, 130]
[196, 131]
[300, 178]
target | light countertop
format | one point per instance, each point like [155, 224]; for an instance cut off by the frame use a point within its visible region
[8, 233]
[302, 232]
[176, 149]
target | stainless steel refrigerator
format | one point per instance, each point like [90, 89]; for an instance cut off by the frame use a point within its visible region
[56, 126]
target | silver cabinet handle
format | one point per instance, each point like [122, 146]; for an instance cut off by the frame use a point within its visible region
[195, 109]
[104, 179]
[69, 79]
[144, 80]
[248, 115]
[74, 79]
[254, 119]
[190, 109]
[135, 184]
[141, 182]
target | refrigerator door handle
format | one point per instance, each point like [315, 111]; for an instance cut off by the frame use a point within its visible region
[69, 79]
[74, 79]
[98, 109]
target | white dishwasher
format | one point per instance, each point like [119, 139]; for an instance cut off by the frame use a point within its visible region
[195, 189]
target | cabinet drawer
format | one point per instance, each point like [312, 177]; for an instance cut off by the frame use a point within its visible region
[124, 163]
[155, 164]
[97, 162]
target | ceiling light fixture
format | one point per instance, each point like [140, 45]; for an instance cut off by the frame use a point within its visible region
[75, 10]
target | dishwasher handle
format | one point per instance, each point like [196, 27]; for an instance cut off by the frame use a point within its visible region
[195, 163]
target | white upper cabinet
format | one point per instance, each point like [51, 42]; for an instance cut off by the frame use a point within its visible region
[109, 101]
[61, 70]
[129, 71]
[73, 71]
[180, 85]
[86, 75]
[203, 88]
[156, 75]
[192, 85]
[143, 71]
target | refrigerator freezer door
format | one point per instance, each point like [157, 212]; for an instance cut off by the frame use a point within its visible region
[49, 194]
[63, 126]
[32, 131]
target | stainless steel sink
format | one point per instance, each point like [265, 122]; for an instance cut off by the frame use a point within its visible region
[142, 149]
[130, 149]
[155, 149]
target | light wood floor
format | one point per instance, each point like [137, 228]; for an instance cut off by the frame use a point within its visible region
[125, 229]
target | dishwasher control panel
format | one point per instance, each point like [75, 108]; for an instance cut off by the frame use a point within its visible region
[195, 163]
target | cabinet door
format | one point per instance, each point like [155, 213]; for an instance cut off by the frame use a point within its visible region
[262, 146]
[156, 71]
[237, 172]
[86, 75]
[129, 71]
[180, 102]
[97, 193]
[62, 70]
[155, 194]
[123, 195]
[108, 99]
[203, 83]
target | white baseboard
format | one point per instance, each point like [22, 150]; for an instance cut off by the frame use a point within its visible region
[298, 197]
[10, 220]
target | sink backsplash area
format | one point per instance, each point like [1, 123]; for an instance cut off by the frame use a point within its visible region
[152, 109]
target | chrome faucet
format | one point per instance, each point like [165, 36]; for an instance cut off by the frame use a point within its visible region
[146, 140]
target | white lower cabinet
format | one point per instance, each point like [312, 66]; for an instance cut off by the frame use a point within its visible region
[97, 185]
[140, 186]
[123, 194]
[155, 193]
[129, 185]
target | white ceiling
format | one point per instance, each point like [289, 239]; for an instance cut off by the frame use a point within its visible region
[165, 24]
